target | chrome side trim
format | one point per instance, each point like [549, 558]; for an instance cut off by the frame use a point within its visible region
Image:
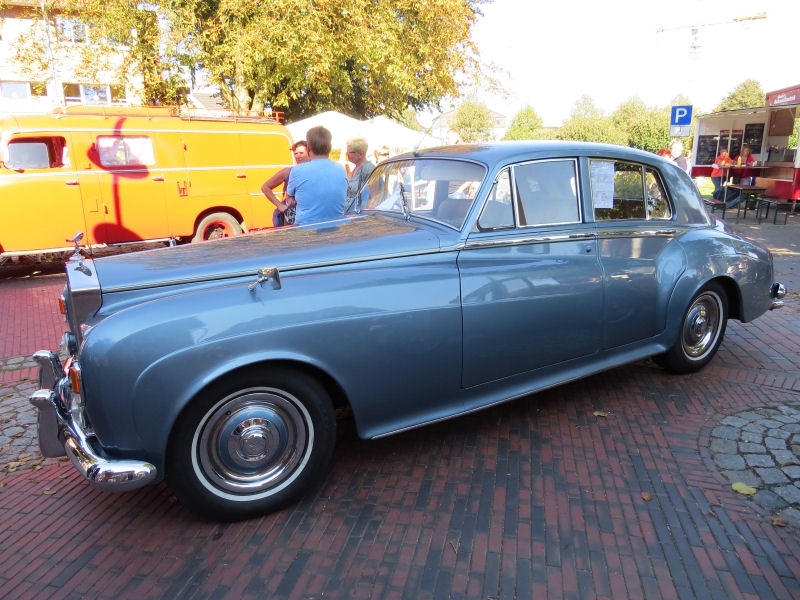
[636, 232]
[527, 239]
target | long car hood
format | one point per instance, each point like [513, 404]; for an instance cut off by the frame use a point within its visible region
[345, 240]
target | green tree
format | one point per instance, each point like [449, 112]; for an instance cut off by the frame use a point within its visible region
[525, 125]
[304, 56]
[645, 128]
[585, 108]
[473, 121]
[587, 123]
[297, 56]
[747, 95]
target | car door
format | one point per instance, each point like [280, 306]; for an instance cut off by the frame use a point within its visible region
[134, 175]
[531, 281]
[634, 225]
[40, 193]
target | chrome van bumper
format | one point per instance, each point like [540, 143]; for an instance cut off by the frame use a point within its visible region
[61, 432]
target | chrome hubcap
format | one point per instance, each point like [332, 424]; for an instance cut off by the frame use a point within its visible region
[254, 442]
[701, 326]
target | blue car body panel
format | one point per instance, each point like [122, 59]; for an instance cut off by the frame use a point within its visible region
[410, 319]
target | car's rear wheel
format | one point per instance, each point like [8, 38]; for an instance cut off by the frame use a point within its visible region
[250, 445]
[217, 225]
[701, 332]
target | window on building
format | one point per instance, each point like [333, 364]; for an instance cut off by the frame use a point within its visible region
[15, 90]
[71, 30]
[94, 93]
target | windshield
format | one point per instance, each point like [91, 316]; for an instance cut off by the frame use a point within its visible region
[436, 188]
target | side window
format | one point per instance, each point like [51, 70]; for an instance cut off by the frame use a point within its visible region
[657, 204]
[36, 153]
[125, 151]
[546, 192]
[498, 212]
[623, 190]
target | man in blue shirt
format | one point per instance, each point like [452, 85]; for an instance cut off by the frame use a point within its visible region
[319, 186]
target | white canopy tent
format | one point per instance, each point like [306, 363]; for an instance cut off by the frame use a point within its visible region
[380, 131]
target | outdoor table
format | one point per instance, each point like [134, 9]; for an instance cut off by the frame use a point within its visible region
[746, 193]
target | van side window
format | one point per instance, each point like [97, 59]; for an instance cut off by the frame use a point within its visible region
[125, 151]
[37, 153]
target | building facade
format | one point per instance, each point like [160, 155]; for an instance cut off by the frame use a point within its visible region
[49, 59]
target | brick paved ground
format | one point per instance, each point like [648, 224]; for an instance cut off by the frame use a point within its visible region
[604, 488]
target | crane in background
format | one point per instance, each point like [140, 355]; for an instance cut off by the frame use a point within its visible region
[695, 46]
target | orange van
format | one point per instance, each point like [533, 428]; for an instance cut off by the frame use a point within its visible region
[125, 175]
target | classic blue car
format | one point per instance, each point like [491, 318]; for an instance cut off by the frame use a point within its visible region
[472, 275]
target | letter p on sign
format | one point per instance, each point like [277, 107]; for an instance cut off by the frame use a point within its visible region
[681, 115]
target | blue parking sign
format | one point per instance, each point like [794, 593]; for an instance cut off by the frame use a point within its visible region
[681, 115]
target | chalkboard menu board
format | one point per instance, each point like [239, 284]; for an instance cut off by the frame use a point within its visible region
[753, 136]
[732, 140]
[706, 150]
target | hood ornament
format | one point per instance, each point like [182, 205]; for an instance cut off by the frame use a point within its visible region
[76, 239]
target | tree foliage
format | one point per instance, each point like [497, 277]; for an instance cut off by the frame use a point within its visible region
[747, 95]
[645, 128]
[473, 121]
[587, 123]
[297, 56]
[525, 125]
[306, 56]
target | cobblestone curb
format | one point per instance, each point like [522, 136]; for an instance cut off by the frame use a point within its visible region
[760, 448]
[19, 442]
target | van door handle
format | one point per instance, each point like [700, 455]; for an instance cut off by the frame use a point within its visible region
[158, 178]
[241, 176]
[71, 182]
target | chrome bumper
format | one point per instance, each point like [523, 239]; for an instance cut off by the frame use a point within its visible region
[61, 433]
[777, 292]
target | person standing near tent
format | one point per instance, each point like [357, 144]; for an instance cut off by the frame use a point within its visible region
[362, 169]
[319, 186]
[284, 211]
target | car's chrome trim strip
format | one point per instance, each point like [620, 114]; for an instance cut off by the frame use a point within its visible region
[636, 232]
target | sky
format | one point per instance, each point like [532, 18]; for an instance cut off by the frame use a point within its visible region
[550, 53]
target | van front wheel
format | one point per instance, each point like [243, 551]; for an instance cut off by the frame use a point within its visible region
[215, 226]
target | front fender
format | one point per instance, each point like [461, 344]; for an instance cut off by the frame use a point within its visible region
[138, 378]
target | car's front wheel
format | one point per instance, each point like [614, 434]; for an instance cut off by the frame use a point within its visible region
[701, 332]
[251, 444]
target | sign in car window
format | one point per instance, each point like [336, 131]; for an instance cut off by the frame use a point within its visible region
[602, 178]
